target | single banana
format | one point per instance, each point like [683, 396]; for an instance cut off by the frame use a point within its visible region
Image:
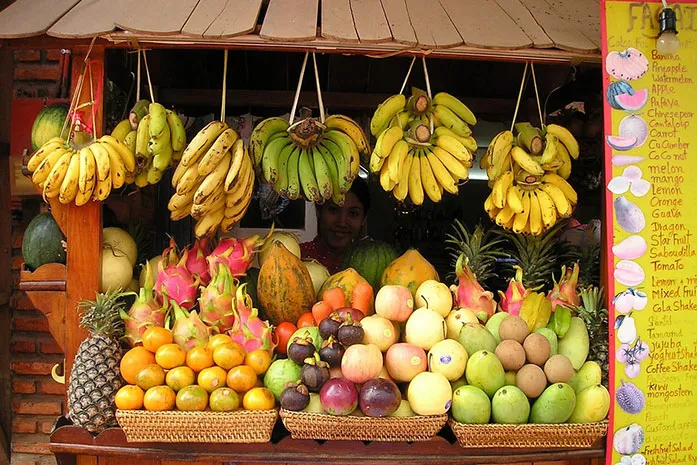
[213, 203]
[468, 141]
[179, 202]
[42, 153]
[178, 173]
[563, 184]
[124, 152]
[190, 180]
[348, 148]
[526, 162]
[547, 208]
[401, 188]
[103, 188]
[207, 225]
[416, 188]
[401, 119]
[500, 146]
[456, 168]
[386, 182]
[489, 207]
[456, 106]
[177, 131]
[563, 155]
[103, 163]
[141, 179]
[521, 218]
[161, 150]
[239, 153]
[396, 158]
[121, 130]
[154, 175]
[562, 204]
[535, 218]
[45, 167]
[293, 190]
[229, 222]
[142, 155]
[504, 216]
[68, 189]
[385, 112]
[214, 180]
[55, 178]
[88, 176]
[281, 183]
[216, 152]
[387, 140]
[130, 142]
[565, 137]
[500, 189]
[550, 151]
[261, 134]
[333, 173]
[243, 188]
[158, 120]
[201, 142]
[117, 168]
[177, 215]
[514, 199]
[352, 129]
[269, 160]
[428, 179]
[441, 173]
[322, 175]
[307, 177]
[454, 147]
[446, 117]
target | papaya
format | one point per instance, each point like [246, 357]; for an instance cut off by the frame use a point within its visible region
[346, 280]
[284, 285]
[409, 270]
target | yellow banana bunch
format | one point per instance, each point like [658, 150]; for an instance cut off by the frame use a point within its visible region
[90, 173]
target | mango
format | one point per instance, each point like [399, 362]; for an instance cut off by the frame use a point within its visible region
[470, 405]
[575, 343]
[484, 370]
[493, 324]
[589, 375]
[552, 338]
[510, 405]
[475, 337]
[555, 404]
[592, 405]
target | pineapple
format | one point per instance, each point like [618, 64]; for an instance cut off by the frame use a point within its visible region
[95, 376]
[594, 314]
[480, 248]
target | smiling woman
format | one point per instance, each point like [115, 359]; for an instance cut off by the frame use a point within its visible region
[338, 227]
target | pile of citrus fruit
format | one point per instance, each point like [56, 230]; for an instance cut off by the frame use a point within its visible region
[219, 376]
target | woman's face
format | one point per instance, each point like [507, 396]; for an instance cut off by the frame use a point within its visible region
[339, 226]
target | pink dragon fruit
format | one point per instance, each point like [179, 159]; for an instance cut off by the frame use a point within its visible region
[512, 299]
[564, 291]
[215, 303]
[469, 293]
[250, 331]
[174, 281]
[237, 254]
[195, 260]
[188, 330]
[144, 313]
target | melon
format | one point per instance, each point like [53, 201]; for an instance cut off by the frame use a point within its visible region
[409, 270]
[615, 89]
[43, 242]
[369, 258]
[634, 126]
[634, 102]
[621, 143]
[48, 124]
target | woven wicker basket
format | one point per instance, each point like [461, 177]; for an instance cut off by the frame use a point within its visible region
[304, 425]
[242, 426]
[565, 435]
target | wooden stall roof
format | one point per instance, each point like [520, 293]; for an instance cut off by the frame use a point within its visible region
[556, 30]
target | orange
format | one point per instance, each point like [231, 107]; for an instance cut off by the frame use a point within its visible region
[133, 361]
[156, 336]
[259, 360]
[180, 377]
[198, 358]
[159, 398]
[170, 356]
[192, 397]
[259, 398]
[150, 376]
[224, 400]
[217, 340]
[241, 378]
[228, 355]
[212, 378]
[129, 397]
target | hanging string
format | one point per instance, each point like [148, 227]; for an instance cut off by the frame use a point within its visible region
[406, 78]
[428, 91]
[92, 105]
[138, 79]
[520, 95]
[319, 92]
[70, 118]
[537, 95]
[147, 72]
[297, 91]
[222, 105]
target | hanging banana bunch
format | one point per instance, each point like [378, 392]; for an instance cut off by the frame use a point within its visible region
[527, 173]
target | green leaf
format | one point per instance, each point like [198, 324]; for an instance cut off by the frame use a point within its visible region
[560, 321]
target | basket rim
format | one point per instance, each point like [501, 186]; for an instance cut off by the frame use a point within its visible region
[285, 413]
[598, 424]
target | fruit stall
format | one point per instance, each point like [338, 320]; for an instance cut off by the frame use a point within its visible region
[467, 323]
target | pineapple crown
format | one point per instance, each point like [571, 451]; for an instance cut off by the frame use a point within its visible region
[480, 248]
[102, 316]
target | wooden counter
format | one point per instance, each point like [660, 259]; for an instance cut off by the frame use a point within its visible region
[75, 446]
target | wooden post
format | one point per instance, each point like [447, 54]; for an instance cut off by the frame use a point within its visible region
[84, 224]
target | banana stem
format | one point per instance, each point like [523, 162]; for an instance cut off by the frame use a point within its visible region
[419, 104]
[529, 137]
[419, 132]
[222, 104]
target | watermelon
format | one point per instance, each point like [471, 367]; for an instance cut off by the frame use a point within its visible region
[621, 143]
[634, 102]
[618, 88]
[42, 242]
[48, 124]
[369, 258]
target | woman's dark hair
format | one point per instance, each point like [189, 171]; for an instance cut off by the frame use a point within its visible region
[362, 191]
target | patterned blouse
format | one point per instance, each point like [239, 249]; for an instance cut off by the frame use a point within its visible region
[319, 251]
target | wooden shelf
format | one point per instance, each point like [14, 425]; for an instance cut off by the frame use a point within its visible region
[68, 442]
[49, 277]
[46, 289]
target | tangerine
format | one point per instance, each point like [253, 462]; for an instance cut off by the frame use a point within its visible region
[224, 400]
[159, 398]
[150, 376]
[241, 378]
[259, 360]
[156, 336]
[192, 397]
[198, 358]
[180, 377]
[259, 398]
[133, 361]
[170, 356]
[212, 378]
[228, 355]
[129, 397]
[217, 340]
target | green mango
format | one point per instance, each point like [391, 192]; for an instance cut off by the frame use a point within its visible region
[484, 370]
[555, 404]
[493, 325]
[560, 321]
[470, 405]
[575, 343]
[592, 405]
[475, 337]
[552, 338]
[590, 374]
[510, 405]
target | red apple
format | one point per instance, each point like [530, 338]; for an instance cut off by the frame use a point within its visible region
[404, 361]
[361, 362]
[394, 302]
